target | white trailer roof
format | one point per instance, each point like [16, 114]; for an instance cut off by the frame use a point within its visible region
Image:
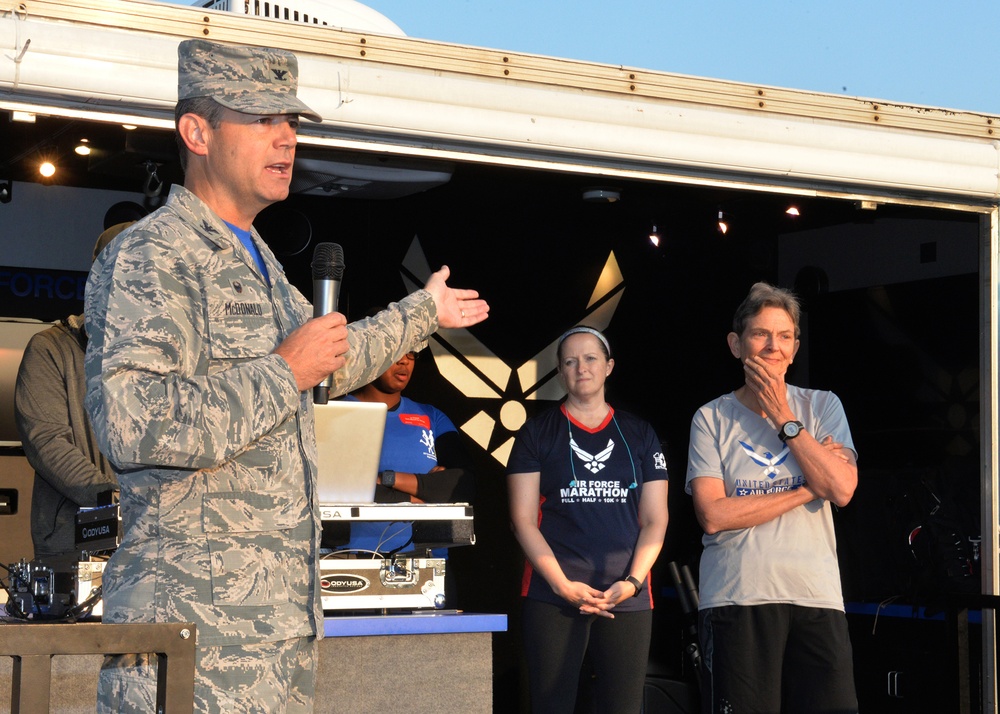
[110, 59]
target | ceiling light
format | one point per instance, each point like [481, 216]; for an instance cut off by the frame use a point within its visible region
[27, 117]
[129, 127]
[792, 211]
[83, 148]
[47, 169]
[723, 223]
[601, 195]
[654, 236]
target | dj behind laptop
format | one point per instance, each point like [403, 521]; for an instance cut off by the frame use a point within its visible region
[349, 443]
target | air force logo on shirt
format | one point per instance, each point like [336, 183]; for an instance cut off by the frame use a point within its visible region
[768, 460]
[593, 462]
[767, 482]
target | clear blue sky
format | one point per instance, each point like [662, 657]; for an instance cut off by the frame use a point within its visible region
[932, 52]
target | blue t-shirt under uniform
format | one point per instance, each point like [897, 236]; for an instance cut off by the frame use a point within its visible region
[407, 446]
[246, 238]
[588, 511]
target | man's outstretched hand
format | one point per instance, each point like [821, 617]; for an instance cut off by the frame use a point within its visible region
[455, 307]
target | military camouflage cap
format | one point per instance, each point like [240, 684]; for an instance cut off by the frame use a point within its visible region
[251, 80]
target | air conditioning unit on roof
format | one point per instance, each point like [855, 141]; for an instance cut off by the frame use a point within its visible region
[344, 14]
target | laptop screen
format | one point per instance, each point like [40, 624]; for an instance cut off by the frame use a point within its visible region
[349, 446]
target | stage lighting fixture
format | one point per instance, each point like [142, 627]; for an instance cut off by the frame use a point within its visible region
[601, 195]
[723, 223]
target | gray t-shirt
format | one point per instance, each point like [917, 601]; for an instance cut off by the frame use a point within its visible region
[793, 558]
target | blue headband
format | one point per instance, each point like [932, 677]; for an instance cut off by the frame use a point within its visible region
[589, 331]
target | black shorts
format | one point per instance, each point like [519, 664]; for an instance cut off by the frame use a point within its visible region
[776, 659]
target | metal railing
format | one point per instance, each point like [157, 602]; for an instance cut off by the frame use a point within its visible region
[33, 645]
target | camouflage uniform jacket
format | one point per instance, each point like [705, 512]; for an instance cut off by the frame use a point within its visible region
[214, 445]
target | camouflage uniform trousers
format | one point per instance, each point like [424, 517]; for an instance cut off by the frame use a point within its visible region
[264, 678]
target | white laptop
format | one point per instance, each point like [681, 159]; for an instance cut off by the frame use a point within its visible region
[349, 445]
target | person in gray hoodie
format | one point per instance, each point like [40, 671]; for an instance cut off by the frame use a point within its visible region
[55, 431]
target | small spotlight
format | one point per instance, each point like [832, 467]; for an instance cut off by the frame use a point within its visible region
[83, 148]
[723, 223]
[129, 127]
[47, 169]
[654, 236]
[792, 211]
[6, 191]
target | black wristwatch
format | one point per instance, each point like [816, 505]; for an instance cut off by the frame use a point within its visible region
[790, 429]
[635, 583]
[388, 478]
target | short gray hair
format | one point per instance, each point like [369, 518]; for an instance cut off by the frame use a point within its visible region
[763, 295]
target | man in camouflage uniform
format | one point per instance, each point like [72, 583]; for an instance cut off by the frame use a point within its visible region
[200, 367]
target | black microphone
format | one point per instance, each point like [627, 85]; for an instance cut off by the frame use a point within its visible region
[327, 271]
